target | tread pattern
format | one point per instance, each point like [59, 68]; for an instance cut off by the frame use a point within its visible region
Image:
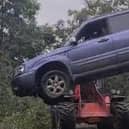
[120, 119]
[120, 111]
[66, 113]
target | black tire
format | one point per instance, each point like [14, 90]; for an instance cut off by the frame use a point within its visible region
[120, 119]
[120, 113]
[63, 116]
[54, 118]
[53, 93]
[105, 124]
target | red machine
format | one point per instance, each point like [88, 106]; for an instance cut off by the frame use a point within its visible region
[89, 105]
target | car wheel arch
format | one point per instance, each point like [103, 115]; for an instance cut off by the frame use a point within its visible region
[54, 65]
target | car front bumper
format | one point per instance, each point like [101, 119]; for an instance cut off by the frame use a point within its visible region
[24, 84]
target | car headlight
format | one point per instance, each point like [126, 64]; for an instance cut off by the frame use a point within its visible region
[19, 70]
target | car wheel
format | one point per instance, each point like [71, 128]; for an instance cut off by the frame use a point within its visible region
[53, 86]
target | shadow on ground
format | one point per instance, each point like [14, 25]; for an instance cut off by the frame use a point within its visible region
[84, 126]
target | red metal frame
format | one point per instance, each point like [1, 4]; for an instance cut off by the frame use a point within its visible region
[92, 106]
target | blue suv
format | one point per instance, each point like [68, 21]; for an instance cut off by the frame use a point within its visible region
[97, 49]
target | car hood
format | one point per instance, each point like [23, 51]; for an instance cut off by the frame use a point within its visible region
[34, 60]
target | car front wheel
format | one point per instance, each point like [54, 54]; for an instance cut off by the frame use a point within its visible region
[53, 86]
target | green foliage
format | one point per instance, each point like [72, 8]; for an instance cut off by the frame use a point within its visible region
[20, 38]
[119, 82]
[29, 113]
[95, 8]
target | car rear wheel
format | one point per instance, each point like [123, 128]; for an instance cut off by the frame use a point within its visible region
[53, 86]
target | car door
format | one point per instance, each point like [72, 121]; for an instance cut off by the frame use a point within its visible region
[121, 44]
[119, 27]
[92, 55]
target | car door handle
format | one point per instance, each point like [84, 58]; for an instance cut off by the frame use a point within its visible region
[103, 40]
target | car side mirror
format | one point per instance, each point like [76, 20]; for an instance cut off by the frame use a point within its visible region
[73, 41]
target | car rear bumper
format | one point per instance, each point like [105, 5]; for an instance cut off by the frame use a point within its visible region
[24, 84]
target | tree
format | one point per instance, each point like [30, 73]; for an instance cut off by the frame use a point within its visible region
[20, 38]
[94, 8]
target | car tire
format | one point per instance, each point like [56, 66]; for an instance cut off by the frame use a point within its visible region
[120, 113]
[54, 84]
[120, 118]
[63, 116]
[105, 124]
[54, 118]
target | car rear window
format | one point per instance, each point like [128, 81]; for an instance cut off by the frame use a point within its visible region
[118, 23]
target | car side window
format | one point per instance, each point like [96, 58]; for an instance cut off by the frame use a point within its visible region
[93, 30]
[118, 23]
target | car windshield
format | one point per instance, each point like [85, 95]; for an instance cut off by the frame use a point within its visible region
[72, 35]
[69, 38]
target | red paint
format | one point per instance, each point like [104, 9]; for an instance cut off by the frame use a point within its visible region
[92, 106]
